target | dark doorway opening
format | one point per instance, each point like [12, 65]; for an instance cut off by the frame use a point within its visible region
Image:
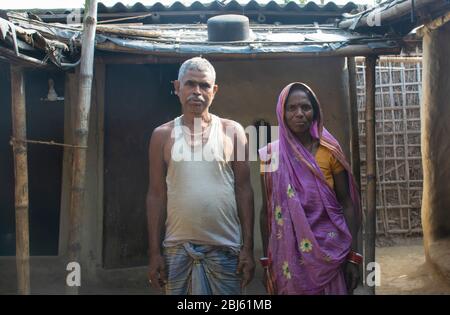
[45, 121]
[138, 99]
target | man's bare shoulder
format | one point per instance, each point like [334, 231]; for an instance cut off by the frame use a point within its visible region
[163, 131]
[234, 125]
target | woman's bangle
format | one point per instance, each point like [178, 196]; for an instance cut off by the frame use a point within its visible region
[354, 258]
[264, 262]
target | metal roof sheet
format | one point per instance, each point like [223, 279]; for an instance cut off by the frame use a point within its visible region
[215, 5]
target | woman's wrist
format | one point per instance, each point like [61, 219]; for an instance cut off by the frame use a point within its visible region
[264, 262]
[354, 257]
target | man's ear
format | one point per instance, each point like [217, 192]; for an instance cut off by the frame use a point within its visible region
[215, 88]
[176, 85]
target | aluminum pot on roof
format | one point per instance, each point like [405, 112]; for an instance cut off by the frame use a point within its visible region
[228, 28]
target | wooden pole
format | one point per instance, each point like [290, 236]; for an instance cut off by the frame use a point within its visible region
[354, 137]
[370, 217]
[21, 179]
[81, 136]
[435, 117]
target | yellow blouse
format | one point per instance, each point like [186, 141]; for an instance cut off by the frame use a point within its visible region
[328, 164]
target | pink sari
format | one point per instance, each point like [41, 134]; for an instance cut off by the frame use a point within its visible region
[309, 238]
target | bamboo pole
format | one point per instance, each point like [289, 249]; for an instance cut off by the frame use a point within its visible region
[21, 179]
[370, 217]
[115, 30]
[351, 50]
[354, 138]
[81, 136]
[354, 135]
[412, 59]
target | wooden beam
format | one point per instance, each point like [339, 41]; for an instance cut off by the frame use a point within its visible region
[142, 56]
[81, 136]
[370, 217]
[435, 24]
[412, 59]
[22, 60]
[387, 15]
[21, 179]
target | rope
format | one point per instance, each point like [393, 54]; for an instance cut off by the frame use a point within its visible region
[14, 141]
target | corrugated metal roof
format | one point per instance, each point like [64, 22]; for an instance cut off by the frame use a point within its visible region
[182, 40]
[176, 40]
[215, 6]
[199, 12]
[232, 5]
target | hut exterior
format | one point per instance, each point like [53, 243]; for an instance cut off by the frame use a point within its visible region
[132, 94]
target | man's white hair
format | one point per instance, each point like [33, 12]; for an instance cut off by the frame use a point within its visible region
[197, 64]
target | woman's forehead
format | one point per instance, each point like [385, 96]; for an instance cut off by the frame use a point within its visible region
[297, 95]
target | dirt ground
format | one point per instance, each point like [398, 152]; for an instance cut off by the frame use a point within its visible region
[404, 270]
[402, 264]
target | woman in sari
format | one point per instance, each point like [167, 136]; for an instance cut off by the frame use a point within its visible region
[310, 214]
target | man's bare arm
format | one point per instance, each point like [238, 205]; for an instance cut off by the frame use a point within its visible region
[245, 204]
[263, 219]
[156, 205]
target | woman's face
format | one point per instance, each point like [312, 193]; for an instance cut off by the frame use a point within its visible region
[298, 112]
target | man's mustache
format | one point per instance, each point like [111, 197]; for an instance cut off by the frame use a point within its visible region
[195, 99]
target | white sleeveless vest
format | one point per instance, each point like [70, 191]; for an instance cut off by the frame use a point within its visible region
[201, 200]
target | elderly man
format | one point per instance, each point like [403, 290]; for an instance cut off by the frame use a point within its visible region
[200, 200]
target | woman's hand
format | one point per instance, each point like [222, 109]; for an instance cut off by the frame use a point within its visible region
[351, 273]
[264, 279]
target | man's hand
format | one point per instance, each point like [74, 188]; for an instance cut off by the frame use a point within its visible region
[157, 272]
[246, 266]
[351, 273]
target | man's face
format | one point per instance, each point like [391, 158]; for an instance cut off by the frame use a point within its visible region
[196, 91]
